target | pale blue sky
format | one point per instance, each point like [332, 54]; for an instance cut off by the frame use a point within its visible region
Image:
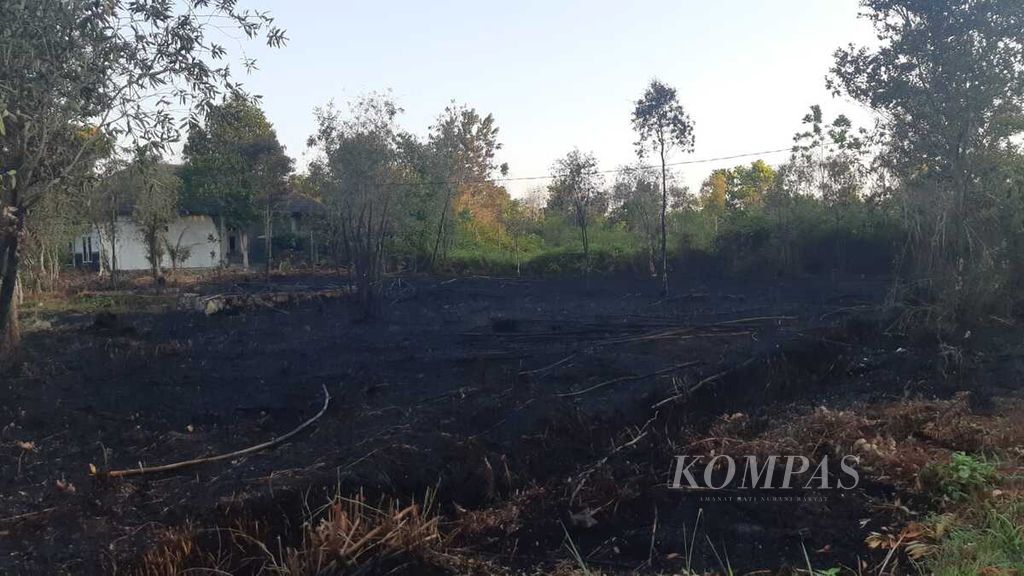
[558, 74]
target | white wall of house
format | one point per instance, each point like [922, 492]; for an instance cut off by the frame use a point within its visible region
[198, 233]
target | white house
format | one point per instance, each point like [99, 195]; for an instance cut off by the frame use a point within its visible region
[196, 233]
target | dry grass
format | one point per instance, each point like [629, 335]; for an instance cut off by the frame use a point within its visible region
[894, 444]
[353, 533]
[346, 536]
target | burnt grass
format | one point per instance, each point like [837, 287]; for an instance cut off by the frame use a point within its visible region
[477, 387]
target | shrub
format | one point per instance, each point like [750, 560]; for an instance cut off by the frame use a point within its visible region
[962, 477]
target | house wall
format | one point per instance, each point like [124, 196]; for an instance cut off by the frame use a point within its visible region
[198, 233]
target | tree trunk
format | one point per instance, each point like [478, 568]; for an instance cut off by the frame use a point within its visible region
[243, 244]
[312, 250]
[113, 250]
[515, 243]
[9, 333]
[222, 230]
[104, 258]
[268, 231]
[664, 208]
[440, 227]
[154, 255]
[586, 250]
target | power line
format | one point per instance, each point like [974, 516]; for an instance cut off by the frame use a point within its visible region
[612, 171]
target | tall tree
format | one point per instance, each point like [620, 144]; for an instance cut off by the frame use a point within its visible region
[662, 125]
[236, 168]
[828, 158]
[356, 168]
[578, 188]
[515, 215]
[947, 77]
[464, 145]
[118, 66]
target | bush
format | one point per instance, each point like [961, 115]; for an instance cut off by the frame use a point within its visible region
[287, 241]
[798, 237]
[603, 260]
[962, 477]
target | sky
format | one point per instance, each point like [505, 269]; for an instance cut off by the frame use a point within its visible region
[560, 74]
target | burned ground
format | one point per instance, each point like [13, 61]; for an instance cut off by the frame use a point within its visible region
[531, 409]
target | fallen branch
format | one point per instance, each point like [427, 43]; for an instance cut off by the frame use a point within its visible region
[229, 456]
[27, 515]
[701, 384]
[629, 379]
[548, 367]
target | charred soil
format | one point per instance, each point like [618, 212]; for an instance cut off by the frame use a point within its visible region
[530, 412]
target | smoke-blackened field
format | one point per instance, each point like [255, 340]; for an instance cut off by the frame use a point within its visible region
[491, 426]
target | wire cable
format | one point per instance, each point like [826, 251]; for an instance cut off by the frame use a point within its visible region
[612, 171]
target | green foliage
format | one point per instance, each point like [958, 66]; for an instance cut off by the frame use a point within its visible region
[79, 76]
[992, 544]
[636, 205]
[662, 125]
[660, 121]
[155, 191]
[457, 160]
[465, 144]
[791, 234]
[232, 162]
[947, 79]
[962, 477]
[358, 158]
[576, 189]
[787, 234]
[577, 192]
[742, 187]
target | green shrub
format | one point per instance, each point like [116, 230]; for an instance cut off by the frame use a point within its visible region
[962, 477]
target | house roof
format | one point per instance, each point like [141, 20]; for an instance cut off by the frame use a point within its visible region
[295, 203]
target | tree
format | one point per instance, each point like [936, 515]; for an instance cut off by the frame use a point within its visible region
[515, 215]
[714, 194]
[947, 78]
[118, 67]
[155, 206]
[637, 199]
[236, 168]
[578, 189]
[742, 187]
[355, 169]
[269, 170]
[464, 145]
[57, 219]
[827, 159]
[662, 125]
[750, 184]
